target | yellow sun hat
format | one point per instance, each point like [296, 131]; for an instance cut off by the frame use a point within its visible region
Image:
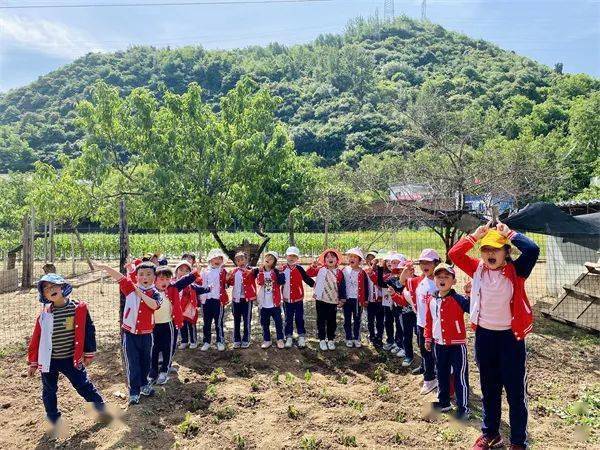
[493, 239]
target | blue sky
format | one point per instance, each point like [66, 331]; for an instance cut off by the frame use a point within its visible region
[36, 41]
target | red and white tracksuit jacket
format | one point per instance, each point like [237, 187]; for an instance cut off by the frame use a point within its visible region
[138, 317]
[40, 347]
[295, 277]
[248, 282]
[445, 319]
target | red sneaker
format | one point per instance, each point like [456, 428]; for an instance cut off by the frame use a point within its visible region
[484, 442]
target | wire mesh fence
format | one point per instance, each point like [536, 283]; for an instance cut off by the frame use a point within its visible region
[559, 270]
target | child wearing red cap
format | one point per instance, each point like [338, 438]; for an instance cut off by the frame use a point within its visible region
[501, 315]
[330, 291]
[445, 332]
[420, 288]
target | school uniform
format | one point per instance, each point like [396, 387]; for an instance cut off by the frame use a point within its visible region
[421, 288]
[137, 325]
[243, 295]
[404, 305]
[387, 304]
[501, 316]
[167, 319]
[213, 302]
[61, 338]
[330, 288]
[189, 309]
[293, 298]
[375, 317]
[357, 293]
[445, 328]
[269, 301]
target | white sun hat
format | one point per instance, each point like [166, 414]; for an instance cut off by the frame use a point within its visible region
[215, 253]
[292, 251]
[356, 251]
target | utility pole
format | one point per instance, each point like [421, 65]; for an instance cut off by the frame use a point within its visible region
[388, 10]
[424, 10]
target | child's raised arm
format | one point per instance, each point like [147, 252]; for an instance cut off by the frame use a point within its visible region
[530, 252]
[113, 273]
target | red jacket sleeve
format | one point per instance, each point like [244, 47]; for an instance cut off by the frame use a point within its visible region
[176, 306]
[458, 255]
[312, 271]
[428, 332]
[126, 286]
[34, 344]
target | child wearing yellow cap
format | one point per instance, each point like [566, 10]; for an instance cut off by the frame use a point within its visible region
[501, 316]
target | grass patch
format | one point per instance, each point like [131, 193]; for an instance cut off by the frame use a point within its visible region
[225, 413]
[217, 376]
[586, 410]
[310, 443]
[348, 441]
[356, 405]
[450, 435]
[239, 442]
[189, 427]
[293, 412]
[307, 376]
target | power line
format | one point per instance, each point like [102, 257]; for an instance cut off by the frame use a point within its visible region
[147, 4]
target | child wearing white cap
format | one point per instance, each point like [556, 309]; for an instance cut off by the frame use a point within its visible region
[293, 296]
[213, 303]
[420, 288]
[243, 281]
[357, 294]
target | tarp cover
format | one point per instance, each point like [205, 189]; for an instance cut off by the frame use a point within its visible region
[546, 218]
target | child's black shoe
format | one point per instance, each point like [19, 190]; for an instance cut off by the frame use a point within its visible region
[134, 399]
[147, 390]
[462, 415]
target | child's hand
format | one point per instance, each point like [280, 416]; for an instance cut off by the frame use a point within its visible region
[87, 360]
[340, 304]
[468, 286]
[428, 346]
[391, 290]
[31, 371]
[482, 230]
[314, 264]
[409, 271]
[503, 229]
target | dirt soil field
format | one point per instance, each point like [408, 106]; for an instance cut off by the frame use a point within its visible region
[304, 399]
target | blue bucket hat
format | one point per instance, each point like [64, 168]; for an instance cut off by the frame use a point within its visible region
[54, 279]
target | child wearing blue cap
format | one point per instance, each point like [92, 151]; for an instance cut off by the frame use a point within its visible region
[63, 341]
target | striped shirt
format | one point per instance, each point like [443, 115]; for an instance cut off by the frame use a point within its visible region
[63, 333]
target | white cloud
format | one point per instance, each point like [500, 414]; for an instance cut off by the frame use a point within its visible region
[52, 38]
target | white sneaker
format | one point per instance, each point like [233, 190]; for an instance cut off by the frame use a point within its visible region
[323, 345]
[237, 345]
[266, 344]
[387, 347]
[183, 346]
[205, 347]
[301, 341]
[220, 346]
[280, 343]
[194, 345]
[162, 378]
[357, 343]
[428, 386]
[395, 349]
[289, 342]
[349, 343]
[174, 369]
[245, 344]
[400, 353]
[331, 345]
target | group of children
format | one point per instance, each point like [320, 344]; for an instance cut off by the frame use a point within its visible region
[160, 304]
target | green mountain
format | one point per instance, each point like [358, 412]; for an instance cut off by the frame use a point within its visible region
[343, 95]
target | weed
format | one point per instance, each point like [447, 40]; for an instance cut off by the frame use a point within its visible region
[399, 438]
[293, 412]
[450, 435]
[383, 390]
[357, 405]
[348, 441]
[217, 376]
[343, 379]
[189, 427]
[276, 376]
[379, 374]
[400, 416]
[309, 443]
[289, 378]
[307, 376]
[235, 358]
[225, 413]
[239, 442]
[211, 391]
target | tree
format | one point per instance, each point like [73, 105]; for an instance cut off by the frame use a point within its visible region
[584, 127]
[196, 169]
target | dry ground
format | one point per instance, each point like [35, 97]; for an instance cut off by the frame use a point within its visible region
[288, 398]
